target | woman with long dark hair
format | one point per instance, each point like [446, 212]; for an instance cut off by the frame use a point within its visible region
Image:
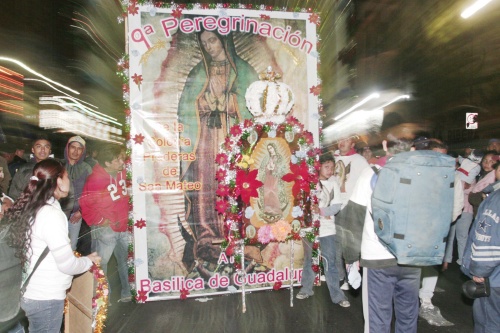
[37, 222]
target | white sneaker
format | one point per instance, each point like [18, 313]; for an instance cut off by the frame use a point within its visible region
[344, 304]
[345, 286]
[302, 295]
[426, 304]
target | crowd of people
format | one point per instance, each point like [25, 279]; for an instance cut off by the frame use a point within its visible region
[395, 290]
[44, 201]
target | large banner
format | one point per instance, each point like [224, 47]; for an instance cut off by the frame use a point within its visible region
[189, 70]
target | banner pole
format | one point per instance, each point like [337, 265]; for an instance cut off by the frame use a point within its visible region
[291, 272]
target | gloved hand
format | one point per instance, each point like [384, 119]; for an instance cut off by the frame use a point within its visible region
[353, 276]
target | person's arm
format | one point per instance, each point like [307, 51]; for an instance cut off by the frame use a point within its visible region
[485, 255]
[90, 203]
[55, 235]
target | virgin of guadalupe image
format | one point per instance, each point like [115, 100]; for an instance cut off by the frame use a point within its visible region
[213, 100]
[272, 197]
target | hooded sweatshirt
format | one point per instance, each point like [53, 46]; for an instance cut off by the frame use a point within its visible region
[105, 197]
[77, 174]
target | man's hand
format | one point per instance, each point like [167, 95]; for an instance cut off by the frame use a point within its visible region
[478, 279]
[75, 217]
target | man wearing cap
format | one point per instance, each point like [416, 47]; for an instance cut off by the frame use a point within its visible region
[494, 144]
[78, 171]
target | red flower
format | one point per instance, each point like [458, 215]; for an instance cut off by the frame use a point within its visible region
[222, 190]
[314, 18]
[230, 250]
[309, 138]
[137, 79]
[247, 123]
[221, 206]
[265, 17]
[177, 13]
[315, 245]
[248, 184]
[221, 159]
[235, 130]
[315, 268]
[300, 176]
[142, 296]
[315, 90]
[220, 175]
[127, 112]
[277, 285]
[296, 236]
[140, 223]
[184, 293]
[139, 138]
[132, 8]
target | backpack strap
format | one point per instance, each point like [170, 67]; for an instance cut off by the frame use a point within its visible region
[42, 256]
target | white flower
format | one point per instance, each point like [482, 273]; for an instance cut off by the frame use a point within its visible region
[271, 133]
[294, 159]
[297, 211]
[249, 212]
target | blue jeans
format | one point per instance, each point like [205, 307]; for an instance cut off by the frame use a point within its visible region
[486, 311]
[327, 245]
[396, 285]
[462, 233]
[106, 241]
[74, 231]
[43, 316]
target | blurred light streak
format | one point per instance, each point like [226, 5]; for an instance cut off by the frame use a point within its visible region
[13, 97]
[472, 9]
[94, 30]
[357, 123]
[10, 72]
[102, 48]
[393, 101]
[355, 106]
[8, 79]
[17, 107]
[11, 89]
[16, 113]
[22, 65]
[75, 106]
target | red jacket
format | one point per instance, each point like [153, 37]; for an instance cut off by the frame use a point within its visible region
[105, 197]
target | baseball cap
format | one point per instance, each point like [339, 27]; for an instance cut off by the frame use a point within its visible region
[78, 139]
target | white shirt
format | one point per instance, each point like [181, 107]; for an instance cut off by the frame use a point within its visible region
[54, 274]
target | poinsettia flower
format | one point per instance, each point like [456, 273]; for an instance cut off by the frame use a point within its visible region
[264, 234]
[184, 293]
[142, 296]
[248, 184]
[140, 223]
[300, 176]
[235, 130]
[220, 175]
[315, 268]
[309, 138]
[139, 138]
[277, 285]
[247, 123]
[281, 230]
[221, 159]
[221, 206]
[222, 190]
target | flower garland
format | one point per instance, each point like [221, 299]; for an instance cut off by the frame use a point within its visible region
[100, 299]
[237, 184]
